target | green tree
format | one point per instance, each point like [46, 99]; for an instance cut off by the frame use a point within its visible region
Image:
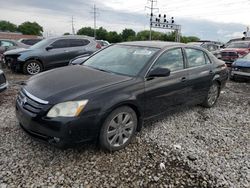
[128, 35]
[7, 26]
[114, 37]
[186, 39]
[30, 28]
[66, 33]
[101, 34]
[86, 31]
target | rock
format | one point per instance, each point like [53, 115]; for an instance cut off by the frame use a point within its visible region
[156, 179]
[162, 166]
[192, 157]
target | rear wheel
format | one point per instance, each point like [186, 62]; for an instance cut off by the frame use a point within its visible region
[118, 129]
[32, 67]
[212, 96]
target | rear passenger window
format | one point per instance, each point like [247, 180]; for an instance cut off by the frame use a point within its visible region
[172, 59]
[195, 57]
[62, 43]
[78, 42]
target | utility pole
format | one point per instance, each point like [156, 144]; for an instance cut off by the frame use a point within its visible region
[152, 2]
[72, 23]
[95, 11]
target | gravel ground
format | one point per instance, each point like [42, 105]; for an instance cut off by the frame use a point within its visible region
[196, 147]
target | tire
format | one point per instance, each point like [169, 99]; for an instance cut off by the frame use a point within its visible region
[212, 96]
[32, 67]
[118, 129]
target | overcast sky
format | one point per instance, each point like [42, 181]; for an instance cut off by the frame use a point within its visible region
[210, 19]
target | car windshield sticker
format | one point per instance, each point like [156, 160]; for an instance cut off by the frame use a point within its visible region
[142, 52]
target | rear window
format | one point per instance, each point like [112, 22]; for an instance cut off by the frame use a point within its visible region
[195, 57]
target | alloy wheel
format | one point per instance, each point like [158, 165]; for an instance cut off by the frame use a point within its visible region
[33, 68]
[213, 94]
[120, 129]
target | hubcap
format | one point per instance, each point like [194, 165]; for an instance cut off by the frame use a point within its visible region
[212, 94]
[33, 68]
[120, 129]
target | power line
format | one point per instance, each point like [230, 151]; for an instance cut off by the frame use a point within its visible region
[152, 2]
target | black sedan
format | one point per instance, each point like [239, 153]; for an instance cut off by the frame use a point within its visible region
[115, 90]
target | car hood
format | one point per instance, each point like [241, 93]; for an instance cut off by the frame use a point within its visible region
[17, 51]
[70, 83]
[242, 63]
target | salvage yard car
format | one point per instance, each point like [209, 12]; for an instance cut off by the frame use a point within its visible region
[3, 81]
[241, 68]
[234, 51]
[6, 44]
[108, 97]
[49, 53]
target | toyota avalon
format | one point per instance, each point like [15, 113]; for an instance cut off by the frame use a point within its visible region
[114, 91]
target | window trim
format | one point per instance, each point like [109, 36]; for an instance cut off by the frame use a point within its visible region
[161, 53]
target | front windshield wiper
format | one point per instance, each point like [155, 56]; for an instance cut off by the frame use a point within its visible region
[103, 70]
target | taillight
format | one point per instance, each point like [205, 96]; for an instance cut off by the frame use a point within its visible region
[98, 46]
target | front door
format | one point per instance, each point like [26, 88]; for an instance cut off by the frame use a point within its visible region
[166, 93]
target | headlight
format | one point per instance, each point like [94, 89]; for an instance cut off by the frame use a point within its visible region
[67, 109]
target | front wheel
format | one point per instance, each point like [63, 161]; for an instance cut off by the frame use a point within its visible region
[32, 67]
[212, 96]
[118, 129]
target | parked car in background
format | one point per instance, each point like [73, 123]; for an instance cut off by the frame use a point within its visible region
[241, 68]
[49, 53]
[3, 81]
[6, 44]
[212, 47]
[103, 43]
[30, 42]
[234, 51]
[109, 96]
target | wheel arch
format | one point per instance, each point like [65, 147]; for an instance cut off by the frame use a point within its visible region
[34, 58]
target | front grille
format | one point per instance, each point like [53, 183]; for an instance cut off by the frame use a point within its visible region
[2, 79]
[243, 69]
[29, 104]
[229, 54]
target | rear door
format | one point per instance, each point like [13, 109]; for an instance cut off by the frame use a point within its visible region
[77, 47]
[166, 93]
[200, 73]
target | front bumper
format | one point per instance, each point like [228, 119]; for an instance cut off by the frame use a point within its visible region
[240, 74]
[61, 132]
[12, 63]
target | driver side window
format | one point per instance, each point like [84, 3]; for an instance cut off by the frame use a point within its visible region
[171, 59]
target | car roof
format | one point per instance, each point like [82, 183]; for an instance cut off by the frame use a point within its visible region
[153, 44]
[71, 37]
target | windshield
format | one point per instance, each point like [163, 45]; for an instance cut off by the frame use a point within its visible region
[40, 44]
[121, 59]
[238, 45]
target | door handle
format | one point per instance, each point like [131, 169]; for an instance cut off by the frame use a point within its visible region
[183, 79]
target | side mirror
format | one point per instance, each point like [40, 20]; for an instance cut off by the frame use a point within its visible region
[49, 48]
[159, 72]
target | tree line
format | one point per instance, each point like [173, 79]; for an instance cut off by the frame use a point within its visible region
[33, 28]
[131, 35]
[26, 28]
